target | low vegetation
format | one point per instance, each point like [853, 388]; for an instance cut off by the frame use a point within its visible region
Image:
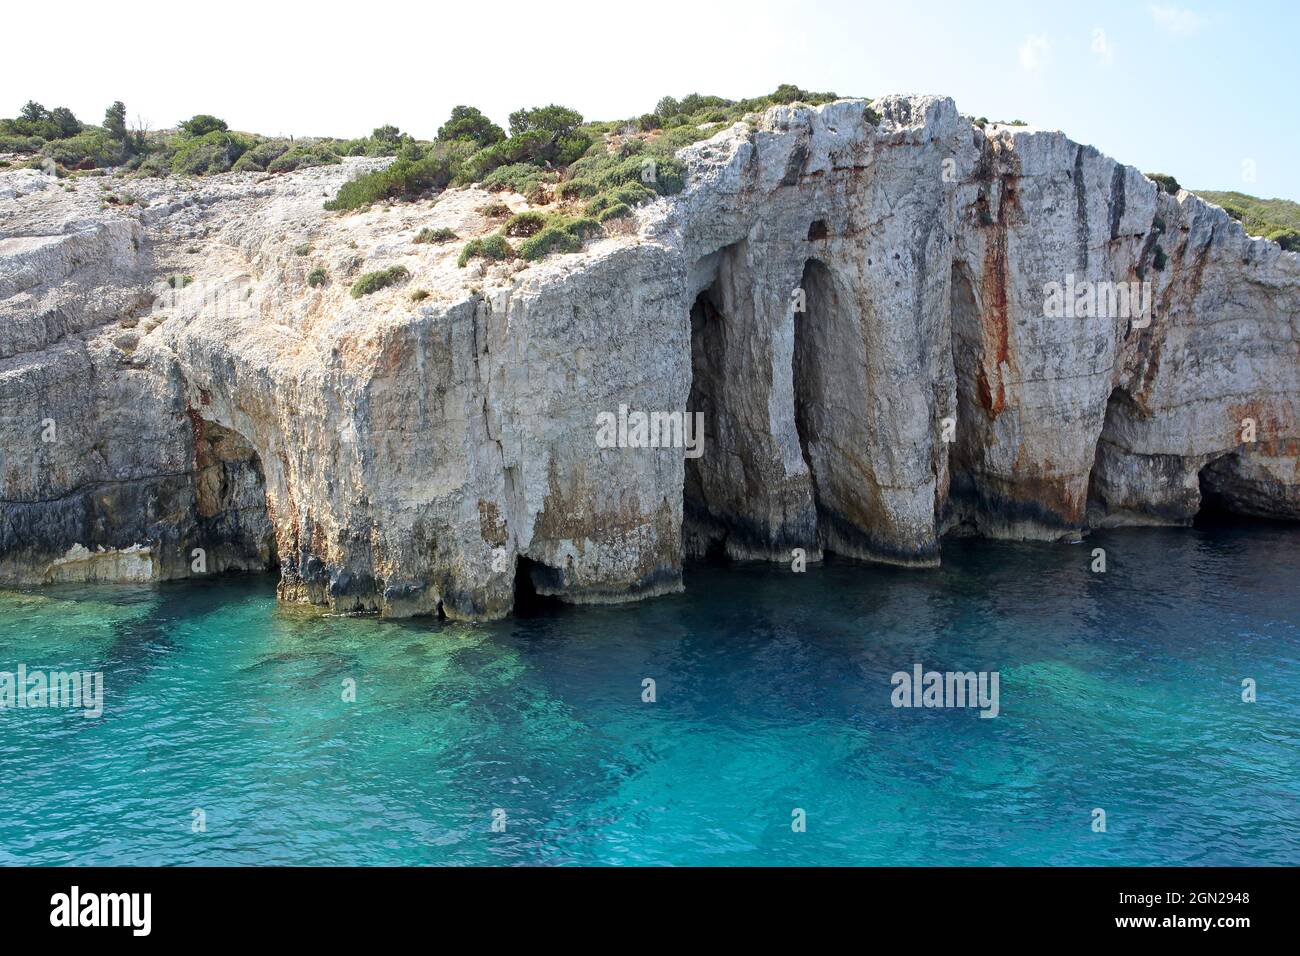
[435, 235]
[374, 281]
[551, 150]
[493, 247]
[1166, 182]
[1274, 219]
[588, 172]
[405, 178]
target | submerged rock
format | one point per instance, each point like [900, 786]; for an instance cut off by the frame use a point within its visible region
[893, 330]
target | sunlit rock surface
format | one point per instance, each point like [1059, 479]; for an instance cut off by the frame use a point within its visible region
[858, 309]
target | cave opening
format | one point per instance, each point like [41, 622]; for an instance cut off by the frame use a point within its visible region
[704, 537]
[1104, 501]
[812, 337]
[531, 580]
[1215, 509]
[232, 521]
[1232, 496]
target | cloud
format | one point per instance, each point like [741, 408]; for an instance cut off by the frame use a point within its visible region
[1174, 19]
[1034, 52]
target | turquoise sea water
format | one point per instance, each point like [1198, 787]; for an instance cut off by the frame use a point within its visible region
[1119, 691]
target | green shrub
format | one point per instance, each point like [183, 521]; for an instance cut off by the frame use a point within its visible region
[487, 247]
[35, 120]
[524, 224]
[402, 180]
[382, 279]
[303, 250]
[179, 281]
[551, 239]
[87, 150]
[258, 157]
[317, 277]
[442, 234]
[560, 234]
[1288, 239]
[468, 124]
[17, 143]
[1166, 182]
[596, 174]
[211, 153]
[419, 295]
[583, 227]
[535, 147]
[494, 210]
[692, 110]
[630, 194]
[521, 178]
[617, 211]
[554, 120]
[386, 140]
[1275, 219]
[247, 164]
[154, 165]
[203, 123]
[671, 140]
[545, 136]
[303, 157]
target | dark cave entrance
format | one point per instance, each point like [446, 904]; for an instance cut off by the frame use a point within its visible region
[233, 524]
[531, 575]
[703, 536]
[812, 326]
[1215, 509]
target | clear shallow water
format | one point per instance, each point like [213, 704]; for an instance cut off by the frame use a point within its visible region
[1120, 691]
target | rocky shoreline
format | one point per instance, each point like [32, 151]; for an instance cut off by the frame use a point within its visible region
[857, 308]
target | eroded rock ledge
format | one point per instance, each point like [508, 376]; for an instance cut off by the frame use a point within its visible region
[856, 309]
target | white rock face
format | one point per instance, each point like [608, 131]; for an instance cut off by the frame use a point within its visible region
[859, 310]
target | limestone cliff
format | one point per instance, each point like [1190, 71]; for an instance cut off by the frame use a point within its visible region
[861, 311]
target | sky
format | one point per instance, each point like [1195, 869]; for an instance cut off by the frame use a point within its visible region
[1204, 91]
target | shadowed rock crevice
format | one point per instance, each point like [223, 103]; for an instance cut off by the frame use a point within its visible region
[810, 386]
[232, 525]
[1127, 487]
[963, 516]
[748, 495]
[704, 533]
[1247, 486]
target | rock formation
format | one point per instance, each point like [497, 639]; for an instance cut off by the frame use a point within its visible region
[894, 331]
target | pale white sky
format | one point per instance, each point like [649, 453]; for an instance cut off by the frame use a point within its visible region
[1200, 90]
